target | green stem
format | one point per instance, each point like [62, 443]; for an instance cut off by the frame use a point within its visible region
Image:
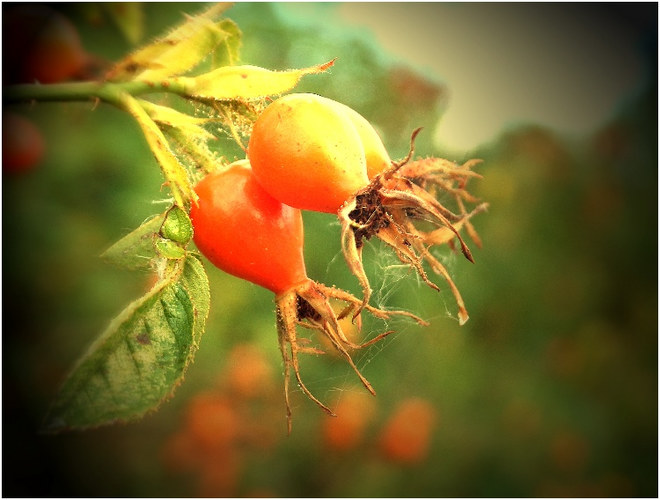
[90, 91]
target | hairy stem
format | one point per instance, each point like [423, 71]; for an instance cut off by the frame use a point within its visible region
[89, 91]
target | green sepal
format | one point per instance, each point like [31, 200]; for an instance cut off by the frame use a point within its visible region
[136, 249]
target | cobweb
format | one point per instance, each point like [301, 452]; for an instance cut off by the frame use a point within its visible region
[396, 286]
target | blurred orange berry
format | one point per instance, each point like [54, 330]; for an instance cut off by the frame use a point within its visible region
[407, 433]
[45, 45]
[354, 410]
[22, 143]
[248, 372]
[213, 421]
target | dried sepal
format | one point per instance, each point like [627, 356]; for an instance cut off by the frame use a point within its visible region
[309, 305]
[287, 319]
[419, 251]
[427, 171]
[385, 209]
[443, 177]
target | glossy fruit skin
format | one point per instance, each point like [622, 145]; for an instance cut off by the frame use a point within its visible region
[45, 46]
[23, 145]
[376, 156]
[307, 153]
[242, 230]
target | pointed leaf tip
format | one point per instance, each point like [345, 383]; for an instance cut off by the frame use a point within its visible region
[247, 82]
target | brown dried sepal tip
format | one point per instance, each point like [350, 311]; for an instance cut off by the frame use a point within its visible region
[308, 305]
[398, 197]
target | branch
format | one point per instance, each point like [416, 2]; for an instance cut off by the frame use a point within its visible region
[90, 91]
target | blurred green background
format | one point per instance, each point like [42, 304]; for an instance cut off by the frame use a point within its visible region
[549, 390]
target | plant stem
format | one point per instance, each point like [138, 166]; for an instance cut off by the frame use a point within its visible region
[86, 91]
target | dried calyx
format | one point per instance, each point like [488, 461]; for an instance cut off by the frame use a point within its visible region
[394, 200]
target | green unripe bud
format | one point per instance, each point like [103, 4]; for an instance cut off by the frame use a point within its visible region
[177, 226]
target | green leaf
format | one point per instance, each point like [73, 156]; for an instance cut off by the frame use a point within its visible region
[196, 283]
[139, 360]
[164, 235]
[189, 125]
[246, 82]
[177, 52]
[129, 17]
[175, 173]
[136, 249]
[186, 135]
[227, 53]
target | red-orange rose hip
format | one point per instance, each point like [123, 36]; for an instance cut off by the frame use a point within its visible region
[307, 153]
[241, 229]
